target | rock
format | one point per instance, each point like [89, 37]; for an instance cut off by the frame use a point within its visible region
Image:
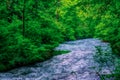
[78, 64]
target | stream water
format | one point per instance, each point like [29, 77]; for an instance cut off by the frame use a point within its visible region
[78, 64]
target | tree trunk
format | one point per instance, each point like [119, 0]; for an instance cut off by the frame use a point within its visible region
[57, 12]
[9, 13]
[23, 18]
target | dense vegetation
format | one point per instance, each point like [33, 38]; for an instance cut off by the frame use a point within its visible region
[29, 30]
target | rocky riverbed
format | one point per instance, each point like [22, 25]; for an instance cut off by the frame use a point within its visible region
[79, 64]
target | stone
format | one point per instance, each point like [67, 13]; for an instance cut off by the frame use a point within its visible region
[78, 64]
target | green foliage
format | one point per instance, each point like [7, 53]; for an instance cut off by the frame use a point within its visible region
[41, 33]
[94, 18]
[30, 30]
[117, 70]
[108, 27]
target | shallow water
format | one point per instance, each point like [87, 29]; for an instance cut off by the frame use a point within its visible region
[78, 64]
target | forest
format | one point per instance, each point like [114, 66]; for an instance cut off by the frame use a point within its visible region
[31, 29]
